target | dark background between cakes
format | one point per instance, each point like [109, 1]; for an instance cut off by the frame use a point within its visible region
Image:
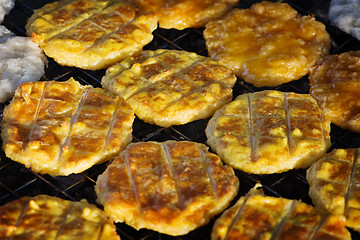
[17, 181]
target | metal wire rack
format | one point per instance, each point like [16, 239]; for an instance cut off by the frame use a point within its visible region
[17, 181]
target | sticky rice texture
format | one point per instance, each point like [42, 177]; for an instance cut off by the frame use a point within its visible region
[20, 61]
[5, 7]
[5, 33]
[345, 15]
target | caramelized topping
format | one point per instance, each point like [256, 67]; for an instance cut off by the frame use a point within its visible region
[171, 187]
[64, 127]
[267, 44]
[335, 84]
[169, 87]
[256, 216]
[334, 181]
[269, 131]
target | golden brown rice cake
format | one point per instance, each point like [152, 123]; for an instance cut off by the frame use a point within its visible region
[171, 187]
[46, 218]
[267, 44]
[90, 34]
[269, 132]
[61, 128]
[335, 84]
[256, 216]
[170, 87]
[335, 184]
[180, 14]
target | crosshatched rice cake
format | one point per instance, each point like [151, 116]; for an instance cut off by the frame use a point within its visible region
[335, 184]
[90, 34]
[171, 187]
[61, 128]
[267, 44]
[181, 14]
[335, 84]
[269, 132]
[257, 216]
[47, 217]
[170, 87]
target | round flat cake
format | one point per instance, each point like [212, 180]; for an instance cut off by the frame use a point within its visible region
[335, 84]
[256, 216]
[61, 128]
[267, 44]
[269, 132]
[170, 187]
[90, 34]
[181, 14]
[334, 184]
[46, 217]
[170, 87]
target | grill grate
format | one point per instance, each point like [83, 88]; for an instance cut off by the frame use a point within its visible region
[17, 181]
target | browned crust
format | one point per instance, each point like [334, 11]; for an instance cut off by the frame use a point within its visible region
[267, 44]
[181, 14]
[335, 84]
[334, 181]
[170, 187]
[90, 34]
[269, 131]
[170, 87]
[256, 216]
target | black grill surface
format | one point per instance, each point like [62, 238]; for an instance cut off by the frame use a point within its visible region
[17, 181]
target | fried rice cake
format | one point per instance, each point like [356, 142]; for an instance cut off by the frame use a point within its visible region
[46, 218]
[181, 14]
[269, 132]
[267, 44]
[61, 128]
[256, 216]
[171, 187]
[335, 84]
[90, 34]
[335, 184]
[170, 87]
